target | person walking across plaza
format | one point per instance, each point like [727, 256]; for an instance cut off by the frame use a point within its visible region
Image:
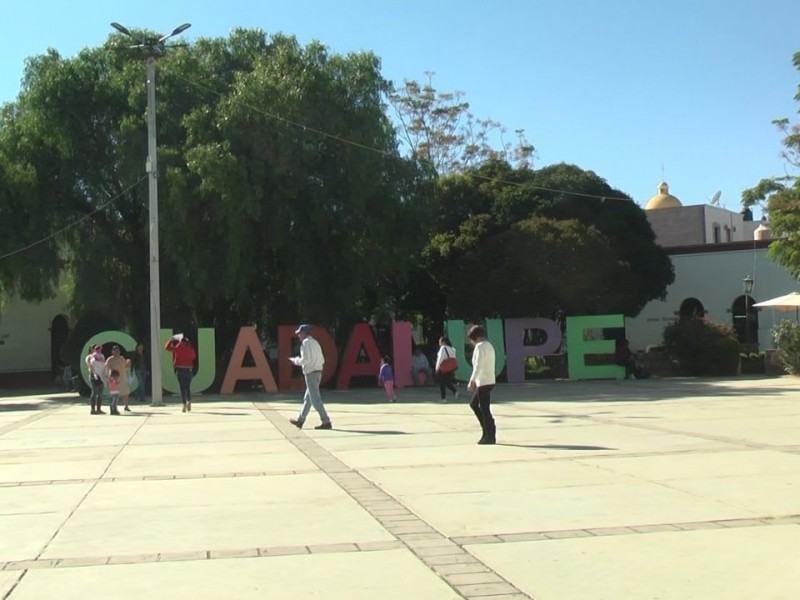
[96, 363]
[183, 357]
[386, 379]
[446, 364]
[481, 383]
[312, 361]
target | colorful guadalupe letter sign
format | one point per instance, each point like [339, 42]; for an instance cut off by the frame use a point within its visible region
[507, 338]
[578, 347]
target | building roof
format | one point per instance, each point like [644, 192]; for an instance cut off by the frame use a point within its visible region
[663, 199]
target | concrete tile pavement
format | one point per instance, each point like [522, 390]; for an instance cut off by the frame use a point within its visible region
[677, 488]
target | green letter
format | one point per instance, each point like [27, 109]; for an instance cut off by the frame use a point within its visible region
[578, 347]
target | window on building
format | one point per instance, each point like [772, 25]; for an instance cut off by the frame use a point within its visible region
[692, 308]
[727, 234]
[717, 233]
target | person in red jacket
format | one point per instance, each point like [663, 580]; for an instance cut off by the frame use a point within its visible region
[183, 357]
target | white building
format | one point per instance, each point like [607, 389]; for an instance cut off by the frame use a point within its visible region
[712, 249]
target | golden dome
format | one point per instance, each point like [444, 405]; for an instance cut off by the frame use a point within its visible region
[663, 199]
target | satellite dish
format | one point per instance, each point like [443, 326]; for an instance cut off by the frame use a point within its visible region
[715, 198]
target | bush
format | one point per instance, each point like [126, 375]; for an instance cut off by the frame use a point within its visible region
[702, 347]
[787, 337]
[536, 368]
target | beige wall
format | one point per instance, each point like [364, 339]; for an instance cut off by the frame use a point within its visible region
[682, 226]
[25, 334]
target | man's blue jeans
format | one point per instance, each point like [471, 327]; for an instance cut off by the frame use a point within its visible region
[313, 398]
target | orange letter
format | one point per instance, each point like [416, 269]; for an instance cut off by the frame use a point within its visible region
[248, 340]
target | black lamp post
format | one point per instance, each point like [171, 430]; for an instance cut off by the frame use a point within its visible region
[747, 284]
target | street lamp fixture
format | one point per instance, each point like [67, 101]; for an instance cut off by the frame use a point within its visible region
[747, 284]
[121, 28]
[153, 47]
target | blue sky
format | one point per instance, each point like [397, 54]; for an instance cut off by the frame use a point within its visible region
[625, 88]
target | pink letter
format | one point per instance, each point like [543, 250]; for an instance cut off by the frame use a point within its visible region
[401, 353]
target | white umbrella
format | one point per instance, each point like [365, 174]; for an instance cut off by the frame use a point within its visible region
[786, 303]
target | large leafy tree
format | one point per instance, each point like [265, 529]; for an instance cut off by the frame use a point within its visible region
[780, 197]
[559, 240]
[282, 191]
[540, 266]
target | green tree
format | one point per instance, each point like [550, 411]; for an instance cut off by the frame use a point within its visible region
[540, 266]
[282, 191]
[780, 197]
[541, 243]
[786, 334]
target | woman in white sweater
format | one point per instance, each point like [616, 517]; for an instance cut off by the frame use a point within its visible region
[481, 383]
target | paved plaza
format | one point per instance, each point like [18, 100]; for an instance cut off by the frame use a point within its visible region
[667, 489]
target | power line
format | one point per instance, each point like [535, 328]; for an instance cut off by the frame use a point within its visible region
[343, 140]
[74, 223]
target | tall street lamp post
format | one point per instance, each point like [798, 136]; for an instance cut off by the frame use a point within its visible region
[153, 47]
[747, 284]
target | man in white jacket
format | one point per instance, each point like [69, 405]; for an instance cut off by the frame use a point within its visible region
[312, 361]
[481, 383]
